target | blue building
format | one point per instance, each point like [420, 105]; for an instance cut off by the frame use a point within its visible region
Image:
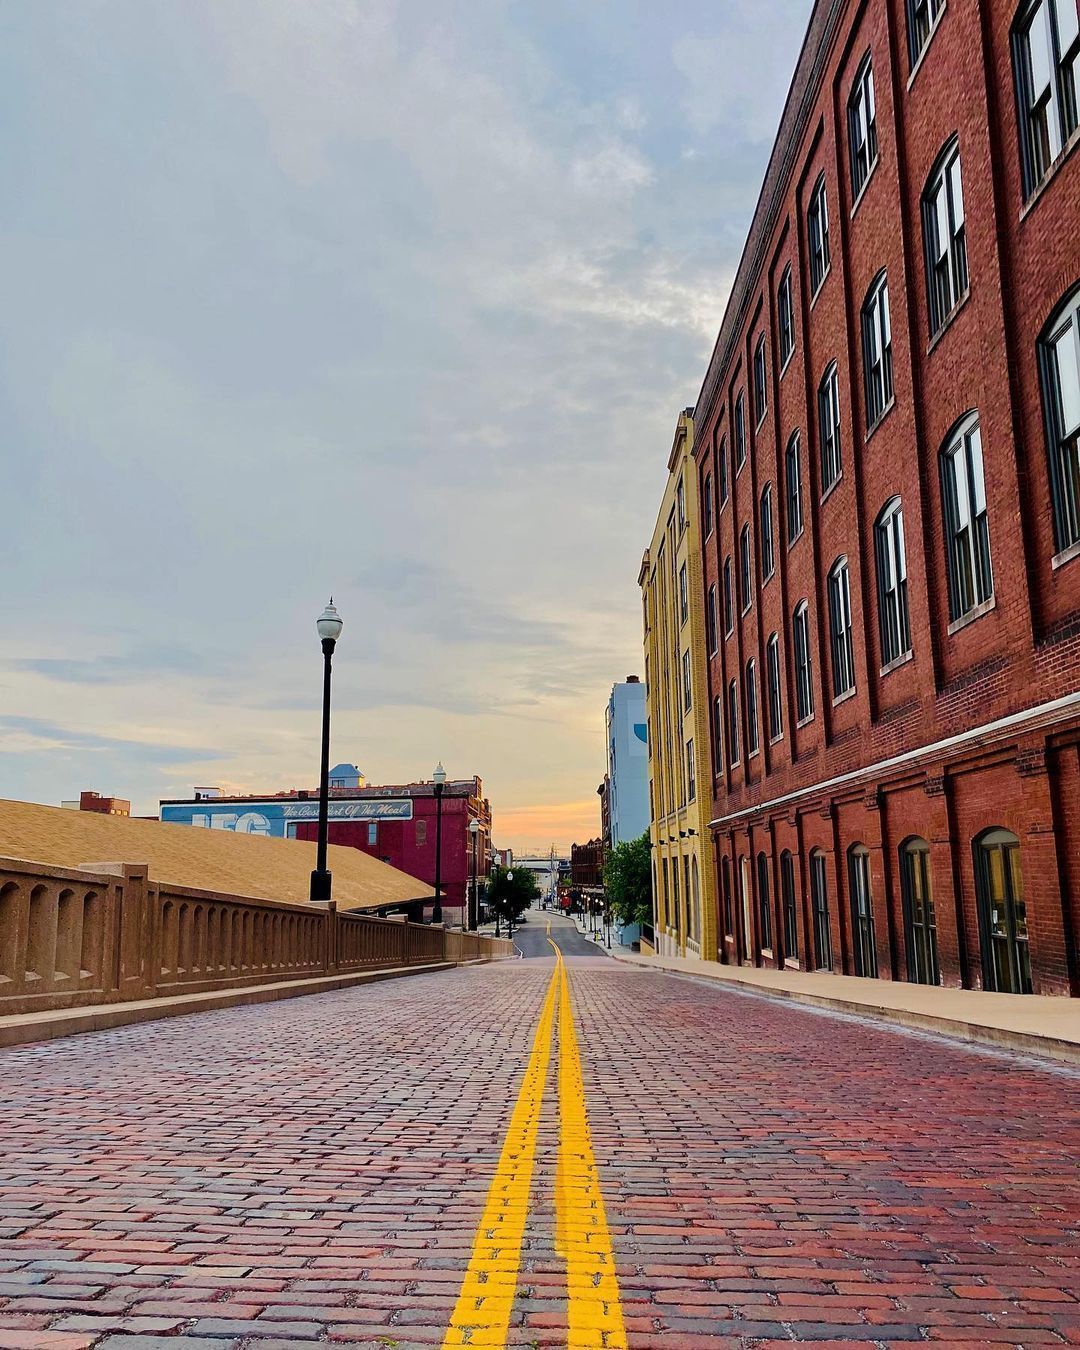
[628, 761]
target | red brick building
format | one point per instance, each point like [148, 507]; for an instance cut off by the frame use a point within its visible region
[587, 863]
[890, 485]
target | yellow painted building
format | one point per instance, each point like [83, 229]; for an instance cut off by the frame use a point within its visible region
[680, 776]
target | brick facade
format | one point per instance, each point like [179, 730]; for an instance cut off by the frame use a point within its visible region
[974, 726]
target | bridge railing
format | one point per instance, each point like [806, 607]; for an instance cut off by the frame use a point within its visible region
[74, 937]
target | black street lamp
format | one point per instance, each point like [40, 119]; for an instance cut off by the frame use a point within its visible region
[329, 626]
[438, 777]
[474, 906]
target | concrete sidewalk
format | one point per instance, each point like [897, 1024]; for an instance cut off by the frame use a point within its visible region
[1029, 1023]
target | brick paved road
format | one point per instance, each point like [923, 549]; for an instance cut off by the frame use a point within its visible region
[313, 1171]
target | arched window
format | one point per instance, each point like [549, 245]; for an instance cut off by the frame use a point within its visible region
[761, 391]
[893, 621]
[752, 741]
[862, 911]
[1059, 366]
[877, 350]
[793, 483]
[774, 703]
[726, 897]
[785, 311]
[718, 738]
[694, 915]
[790, 905]
[944, 237]
[1002, 913]
[740, 431]
[707, 505]
[729, 606]
[840, 640]
[746, 571]
[862, 127]
[804, 674]
[922, 16]
[733, 721]
[829, 426]
[819, 903]
[765, 536]
[711, 621]
[764, 908]
[817, 235]
[920, 928]
[722, 469]
[967, 530]
[1046, 58]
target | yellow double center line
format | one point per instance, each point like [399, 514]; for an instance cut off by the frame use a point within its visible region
[594, 1312]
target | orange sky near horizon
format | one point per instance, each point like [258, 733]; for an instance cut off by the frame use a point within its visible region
[533, 829]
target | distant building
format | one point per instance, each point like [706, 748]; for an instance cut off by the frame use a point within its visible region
[102, 806]
[396, 824]
[627, 761]
[587, 863]
[604, 793]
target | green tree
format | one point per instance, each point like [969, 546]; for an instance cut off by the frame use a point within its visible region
[628, 880]
[511, 898]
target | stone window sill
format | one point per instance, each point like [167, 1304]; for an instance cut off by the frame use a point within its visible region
[1066, 555]
[896, 663]
[1052, 172]
[804, 721]
[948, 321]
[879, 419]
[843, 698]
[866, 183]
[925, 47]
[972, 615]
[820, 286]
[832, 487]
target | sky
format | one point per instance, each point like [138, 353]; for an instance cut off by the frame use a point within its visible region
[397, 302]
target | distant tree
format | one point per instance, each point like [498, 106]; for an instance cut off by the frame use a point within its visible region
[511, 898]
[628, 880]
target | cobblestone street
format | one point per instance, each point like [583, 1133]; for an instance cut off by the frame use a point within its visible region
[315, 1171]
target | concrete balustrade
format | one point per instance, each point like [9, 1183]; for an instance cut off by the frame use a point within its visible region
[109, 934]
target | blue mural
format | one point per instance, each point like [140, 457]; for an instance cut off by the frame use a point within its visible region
[279, 819]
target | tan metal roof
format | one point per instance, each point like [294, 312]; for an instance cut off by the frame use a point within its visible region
[210, 860]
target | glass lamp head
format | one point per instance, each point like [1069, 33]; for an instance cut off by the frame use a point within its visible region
[329, 623]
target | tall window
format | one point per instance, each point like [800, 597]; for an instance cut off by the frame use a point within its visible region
[789, 905]
[746, 575]
[740, 431]
[721, 461]
[707, 505]
[751, 708]
[967, 530]
[862, 911]
[828, 400]
[684, 595]
[680, 499]
[892, 582]
[921, 17]
[766, 534]
[1003, 926]
[710, 621]
[945, 238]
[862, 127]
[733, 721]
[785, 317]
[817, 233]
[819, 904]
[686, 679]
[727, 898]
[729, 608]
[1046, 55]
[840, 643]
[877, 350]
[691, 775]
[761, 392]
[718, 738]
[920, 928]
[804, 674]
[793, 480]
[772, 681]
[1059, 363]
[764, 908]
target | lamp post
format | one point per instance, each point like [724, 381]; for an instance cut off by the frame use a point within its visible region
[329, 626]
[509, 921]
[474, 906]
[438, 777]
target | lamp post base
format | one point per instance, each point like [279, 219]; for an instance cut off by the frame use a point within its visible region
[436, 914]
[320, 887]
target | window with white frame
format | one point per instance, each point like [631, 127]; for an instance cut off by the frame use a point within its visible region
[945, 238]
[817, 234]
[686, 679]
[684, 595]
[710, 620]
[967, 530]
[922, 15]
[785, 317]
[840, 640]
[1059, 365]
[746, 573]
[829, 427]
[804, 671]
[691, 774]
[774, 705]
[1046, 58]
[862, 127]
[793, 484]
[761, 392]
[765, 535]
[877, 350]
[733, 721]
[707, 505]
[752, 743]
[740, 431]
[893, 621]
[729, 607]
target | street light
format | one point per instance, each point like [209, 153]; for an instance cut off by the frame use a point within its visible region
[438, 777]
[509, 921]
[329, 626]
[474, 905]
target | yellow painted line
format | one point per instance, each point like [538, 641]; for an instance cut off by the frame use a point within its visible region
[594, 1308]
[482, 1313]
